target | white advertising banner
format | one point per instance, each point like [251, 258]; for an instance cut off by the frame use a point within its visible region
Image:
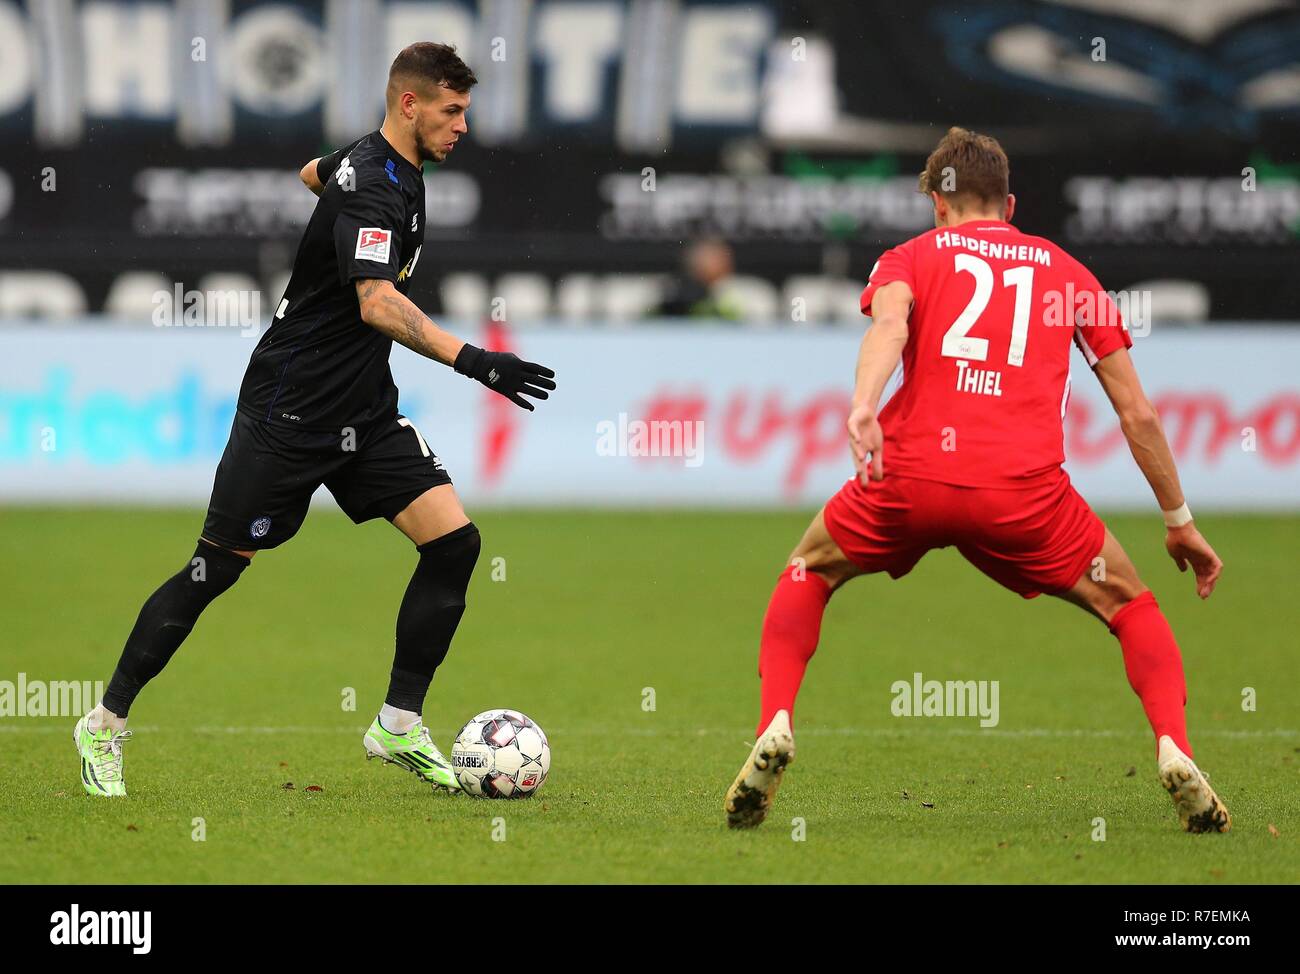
[101, 413]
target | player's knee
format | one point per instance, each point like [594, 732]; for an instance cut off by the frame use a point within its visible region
[825, 561]
[1119, 594]
[177, 604]
[1115, 593]
[435, 598]
[448, 561]
[214, 569]
[246, 555]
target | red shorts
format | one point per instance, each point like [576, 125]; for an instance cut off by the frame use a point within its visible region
[1041, 537]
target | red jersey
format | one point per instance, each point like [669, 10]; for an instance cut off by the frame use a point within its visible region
[986, 368]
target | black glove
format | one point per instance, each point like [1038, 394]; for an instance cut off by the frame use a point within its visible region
[506, 373]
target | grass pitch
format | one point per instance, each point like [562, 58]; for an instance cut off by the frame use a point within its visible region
[597, 616]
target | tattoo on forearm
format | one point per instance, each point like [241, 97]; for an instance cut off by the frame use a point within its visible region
[404, 322]
[398, 317]
[413, 318]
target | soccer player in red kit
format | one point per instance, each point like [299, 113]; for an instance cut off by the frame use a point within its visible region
[968, 452]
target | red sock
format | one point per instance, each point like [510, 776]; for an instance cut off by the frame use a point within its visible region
[1154, 667]
[790, 631]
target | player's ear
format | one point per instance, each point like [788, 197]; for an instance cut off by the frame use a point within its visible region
[940, 208]
[1011, 206]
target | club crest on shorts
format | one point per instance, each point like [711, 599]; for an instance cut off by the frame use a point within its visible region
[259, 527]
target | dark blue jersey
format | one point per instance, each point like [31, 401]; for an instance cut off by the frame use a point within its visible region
[319, 366]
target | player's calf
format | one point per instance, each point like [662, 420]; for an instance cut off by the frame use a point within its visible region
[1154, 667]
[791, 628]
[167, 618]
[430, 611]
[1152, 661]
[792, 623]
[426, 622]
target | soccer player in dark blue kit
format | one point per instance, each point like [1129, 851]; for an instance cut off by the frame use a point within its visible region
[318, 406]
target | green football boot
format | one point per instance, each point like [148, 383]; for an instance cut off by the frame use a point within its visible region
[101, 759]
[414, 751]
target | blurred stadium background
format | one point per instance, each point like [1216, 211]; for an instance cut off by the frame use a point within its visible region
[673, 202]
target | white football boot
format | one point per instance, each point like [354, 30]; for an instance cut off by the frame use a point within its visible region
[751, 794]
[1199, 808]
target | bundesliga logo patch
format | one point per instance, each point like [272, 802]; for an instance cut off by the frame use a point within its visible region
[373, 244]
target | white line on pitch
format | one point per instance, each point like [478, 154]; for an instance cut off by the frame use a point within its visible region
[911, 730]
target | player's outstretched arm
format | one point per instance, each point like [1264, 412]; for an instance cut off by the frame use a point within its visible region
[878, 357]
[1141, 426]
[385, 309]
[310, 178]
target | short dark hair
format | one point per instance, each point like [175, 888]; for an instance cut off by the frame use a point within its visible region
[979, 173]
[432, 65]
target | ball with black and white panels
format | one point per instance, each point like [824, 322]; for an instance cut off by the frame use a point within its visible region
[501, 754]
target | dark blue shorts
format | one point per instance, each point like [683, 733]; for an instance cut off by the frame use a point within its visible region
[268, 473]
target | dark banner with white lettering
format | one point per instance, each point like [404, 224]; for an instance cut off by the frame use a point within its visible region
[148, 143]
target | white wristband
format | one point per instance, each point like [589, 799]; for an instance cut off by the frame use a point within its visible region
[1177, 517]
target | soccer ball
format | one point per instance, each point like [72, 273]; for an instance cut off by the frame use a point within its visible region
[501, 754]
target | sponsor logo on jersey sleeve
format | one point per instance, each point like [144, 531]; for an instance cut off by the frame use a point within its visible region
[373, 243]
